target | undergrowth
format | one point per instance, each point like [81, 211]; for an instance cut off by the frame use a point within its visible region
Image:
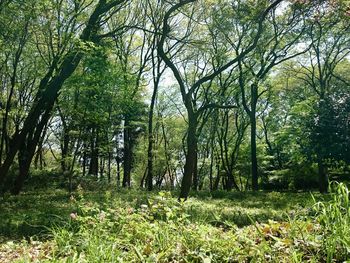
[157, 228]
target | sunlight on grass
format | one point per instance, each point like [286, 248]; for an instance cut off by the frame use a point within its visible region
[109, 226]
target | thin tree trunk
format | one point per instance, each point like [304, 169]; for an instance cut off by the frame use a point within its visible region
[118, 173]
[93, 167]
[4, 134]
[151, 140]
[127, 155]
[253, 152]
[109, 166]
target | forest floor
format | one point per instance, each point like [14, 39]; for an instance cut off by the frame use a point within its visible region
[109, 225]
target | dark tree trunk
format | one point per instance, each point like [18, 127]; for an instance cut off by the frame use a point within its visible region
[320, 144]
[160, 179]
[217, 178]
[64, 150]
[191, 155]
[142, 183]
[322, 177]
[93, 167]
[211, 171]
[150, 141]
[39, 157]
[230, 182]
[195, 173]
[109, 166]
[253, 152]
[127, 155]
[84, 159]
[13, 81]
[102, 167]
[27, 151]
[4, 133]
[24, 165]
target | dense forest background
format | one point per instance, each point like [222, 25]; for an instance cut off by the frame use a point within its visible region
[234, 95]
[174, 131]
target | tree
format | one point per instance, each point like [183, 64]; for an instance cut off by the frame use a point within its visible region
[193, 112]
[282, 33]
[329, 37]
[62, 67]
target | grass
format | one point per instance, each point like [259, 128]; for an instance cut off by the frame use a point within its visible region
[137, 226]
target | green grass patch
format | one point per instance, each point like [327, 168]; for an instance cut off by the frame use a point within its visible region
[138, 226]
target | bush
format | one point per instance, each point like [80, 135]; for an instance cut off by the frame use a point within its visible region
[298, 177]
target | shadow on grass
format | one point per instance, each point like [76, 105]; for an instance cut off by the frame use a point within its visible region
[34, 212]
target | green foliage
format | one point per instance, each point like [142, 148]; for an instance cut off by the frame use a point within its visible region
[135, 226]
[334, 218]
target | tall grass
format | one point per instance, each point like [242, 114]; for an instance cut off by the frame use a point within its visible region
[334, 217]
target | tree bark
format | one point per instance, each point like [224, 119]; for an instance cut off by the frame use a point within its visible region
[27, 151]
[151, 140]
[254, 167]
[190, 156]
[127, 155]
[93, 166]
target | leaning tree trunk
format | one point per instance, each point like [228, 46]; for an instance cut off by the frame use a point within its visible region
[27, 151]
[51, 84]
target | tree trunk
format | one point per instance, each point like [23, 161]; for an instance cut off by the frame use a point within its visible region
[190, 156]
[109, 166]
[118, 173]
[39, 157]
[24, 165]
[211, 170]
[230, 182]
[84, 161]
[254, 160]
[102, 167]
[150, 141]
[64, 150]
[322, 177]
[127, 155]
[254, 166]
[27, 151]
[93, 167]
[195, 172]
[13, 81]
